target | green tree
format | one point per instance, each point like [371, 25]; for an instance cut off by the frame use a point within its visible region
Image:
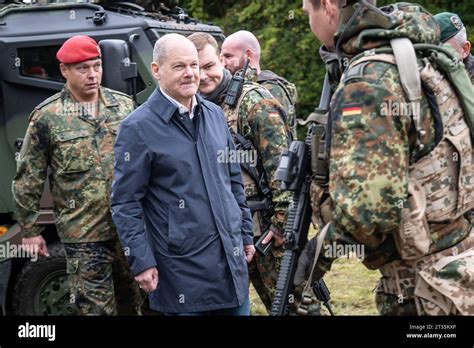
[288, 46]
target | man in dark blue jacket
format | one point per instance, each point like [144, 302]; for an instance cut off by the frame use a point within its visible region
[178, 199]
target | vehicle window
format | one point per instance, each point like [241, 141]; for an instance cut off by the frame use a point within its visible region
[40, 62]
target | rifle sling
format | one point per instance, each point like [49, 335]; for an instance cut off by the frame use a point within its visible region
[252, 171]
[307, 291]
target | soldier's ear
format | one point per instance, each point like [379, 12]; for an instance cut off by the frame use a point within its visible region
[249, 53]
[327, 7]
[155, 70]
[466, 48]
[331, 9]
[64, 70]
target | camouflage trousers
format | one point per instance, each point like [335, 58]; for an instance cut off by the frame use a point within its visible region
[263, 272]
[100, 280]
[438, 284]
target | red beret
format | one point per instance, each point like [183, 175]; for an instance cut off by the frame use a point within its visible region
[78, 49]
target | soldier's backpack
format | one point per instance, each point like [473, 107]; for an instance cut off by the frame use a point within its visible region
[441, 183]
[270, 77]
[444, 75]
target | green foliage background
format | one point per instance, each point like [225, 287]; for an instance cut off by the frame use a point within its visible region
[288, 46]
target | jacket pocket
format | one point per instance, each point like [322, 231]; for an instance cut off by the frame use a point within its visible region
[176, 232]
[74, 151]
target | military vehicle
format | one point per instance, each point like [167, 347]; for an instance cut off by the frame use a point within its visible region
[31, 32]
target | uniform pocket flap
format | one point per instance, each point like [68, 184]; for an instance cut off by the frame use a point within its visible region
[71, 134]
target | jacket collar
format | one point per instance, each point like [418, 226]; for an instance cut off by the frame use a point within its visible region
[106, 102]
[164, 108]
[182, 109]
[105, 97]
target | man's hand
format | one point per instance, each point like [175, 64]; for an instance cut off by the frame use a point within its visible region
[305, 262]
[148, 280]
[279, 240]
[35, 245]
[249, 252]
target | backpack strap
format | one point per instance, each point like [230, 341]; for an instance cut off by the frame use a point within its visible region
[407, 65]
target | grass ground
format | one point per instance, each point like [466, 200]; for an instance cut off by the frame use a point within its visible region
[351, 286]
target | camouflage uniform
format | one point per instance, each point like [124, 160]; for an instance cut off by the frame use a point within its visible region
[78, 149]
[283, 91]
[469, 62]
[371, 158]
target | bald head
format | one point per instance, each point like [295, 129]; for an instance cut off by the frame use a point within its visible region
[245, 39]
[171, 42]
[239, 47]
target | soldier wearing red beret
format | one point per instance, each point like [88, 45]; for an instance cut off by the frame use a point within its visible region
[81, 66]
[78, 49]
[72, 134]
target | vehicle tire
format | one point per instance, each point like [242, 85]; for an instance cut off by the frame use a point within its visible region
[41, 287]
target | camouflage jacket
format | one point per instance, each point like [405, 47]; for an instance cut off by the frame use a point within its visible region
[370, 154]
[469, 62]
[283, 91]
[259, 121]
[78, 150]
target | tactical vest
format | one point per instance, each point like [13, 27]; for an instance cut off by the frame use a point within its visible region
[255, 185]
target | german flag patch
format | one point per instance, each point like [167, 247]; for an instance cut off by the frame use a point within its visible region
[272, 115]
[351, 111]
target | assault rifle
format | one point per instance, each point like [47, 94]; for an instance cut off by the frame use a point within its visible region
[299, 165]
